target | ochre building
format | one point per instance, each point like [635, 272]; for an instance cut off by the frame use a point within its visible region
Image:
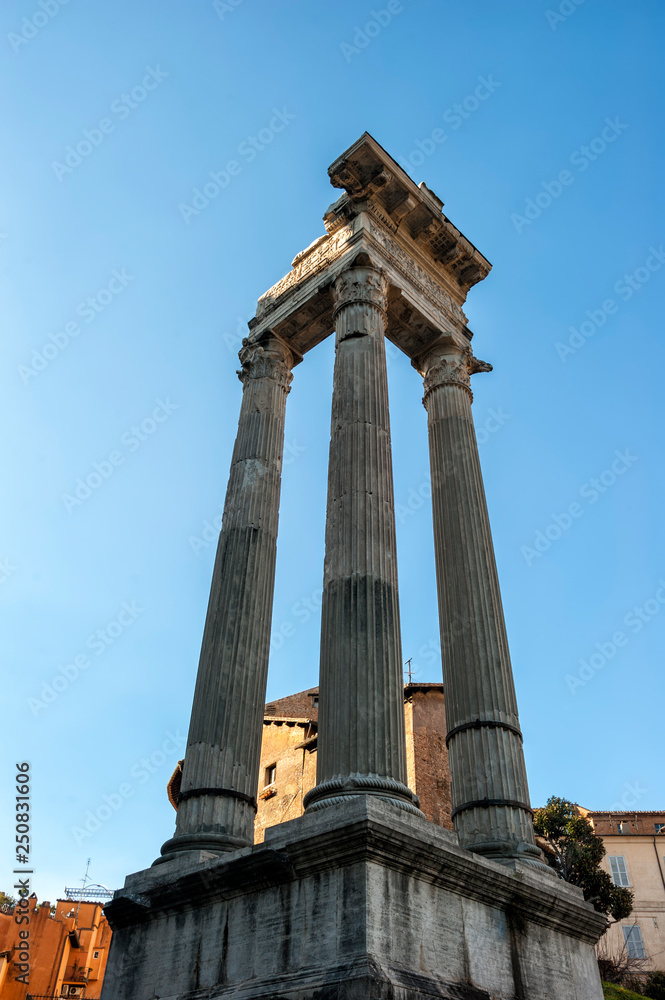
[635, 845]
[68, 951]
[289, 749]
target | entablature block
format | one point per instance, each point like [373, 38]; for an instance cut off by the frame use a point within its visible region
[428, 264]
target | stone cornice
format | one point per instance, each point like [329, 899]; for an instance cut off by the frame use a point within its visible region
[363, 831]
[429, 266]
[368, 174]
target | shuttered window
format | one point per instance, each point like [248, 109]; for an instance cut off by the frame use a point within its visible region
[618, 869]
[634, 943]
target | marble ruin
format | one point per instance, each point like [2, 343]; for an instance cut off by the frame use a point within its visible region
[361, 897]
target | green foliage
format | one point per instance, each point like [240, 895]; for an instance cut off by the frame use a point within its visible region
[613, 992]
[6, 900]
[575, 853]
[654, 986]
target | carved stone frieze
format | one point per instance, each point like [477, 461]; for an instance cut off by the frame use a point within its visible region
[323, 253]
[404, 263]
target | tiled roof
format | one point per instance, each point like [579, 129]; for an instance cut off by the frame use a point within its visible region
[301, 705]
[295, 706]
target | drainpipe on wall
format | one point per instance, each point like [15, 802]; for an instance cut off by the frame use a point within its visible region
[660, 867]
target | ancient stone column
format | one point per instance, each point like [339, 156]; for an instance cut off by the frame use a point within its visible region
[490, 796]
[217, 800]
[361, 742]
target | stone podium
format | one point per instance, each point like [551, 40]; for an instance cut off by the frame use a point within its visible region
[361, 897]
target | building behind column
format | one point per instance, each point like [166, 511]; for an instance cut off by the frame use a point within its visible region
[289, 751]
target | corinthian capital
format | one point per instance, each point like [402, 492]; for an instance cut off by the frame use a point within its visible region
[450, 365]
[268, 359]
[361, 285]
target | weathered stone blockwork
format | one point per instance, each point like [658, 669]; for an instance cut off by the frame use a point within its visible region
[359, 902]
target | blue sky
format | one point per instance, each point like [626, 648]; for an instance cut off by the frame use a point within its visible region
[551, 164]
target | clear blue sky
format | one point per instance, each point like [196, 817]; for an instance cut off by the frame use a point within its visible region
[156, 348]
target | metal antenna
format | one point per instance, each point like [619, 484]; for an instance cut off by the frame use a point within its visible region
[85, 879]
[408, 667]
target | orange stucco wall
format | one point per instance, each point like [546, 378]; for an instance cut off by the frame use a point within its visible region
[55, 956]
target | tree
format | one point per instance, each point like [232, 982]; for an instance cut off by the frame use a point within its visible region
[6, 901]
[575, 852]
[654, 986]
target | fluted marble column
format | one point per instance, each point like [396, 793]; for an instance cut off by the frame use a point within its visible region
[217, 800]
[490, 796]
[361, 743]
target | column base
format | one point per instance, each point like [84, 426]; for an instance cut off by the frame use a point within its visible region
[513, 853]
[342, 789]
[512, 850]
[215, 844]
[359, 901]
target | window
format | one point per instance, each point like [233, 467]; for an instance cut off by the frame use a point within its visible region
[620, 827]
[95, 954]
[270, 775]
[618, 870]
[659, 827]
[634, 944]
